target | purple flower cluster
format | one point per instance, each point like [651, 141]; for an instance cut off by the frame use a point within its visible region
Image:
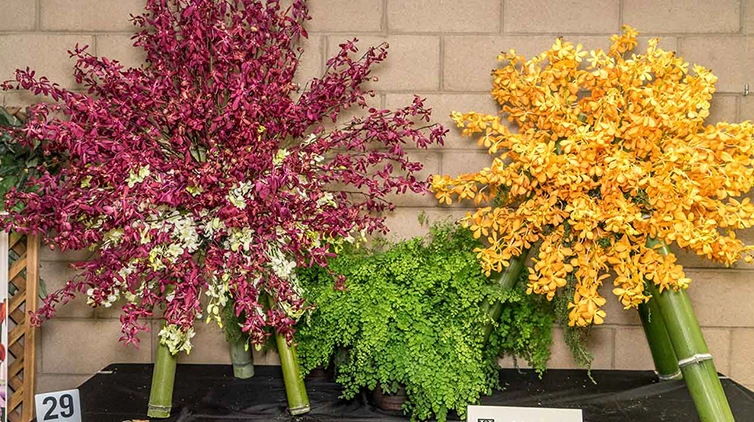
[208, 169]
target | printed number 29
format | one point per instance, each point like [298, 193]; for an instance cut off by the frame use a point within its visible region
[66, 406]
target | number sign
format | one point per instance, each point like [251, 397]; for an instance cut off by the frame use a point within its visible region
[522, 414]
[59, 406]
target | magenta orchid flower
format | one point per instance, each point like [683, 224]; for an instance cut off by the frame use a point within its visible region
[208, 170]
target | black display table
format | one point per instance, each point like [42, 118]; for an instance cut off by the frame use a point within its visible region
[208, 393]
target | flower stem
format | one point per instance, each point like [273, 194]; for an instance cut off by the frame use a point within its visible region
[241, 358]
[689, 345]
[505, 281]
[163, 379]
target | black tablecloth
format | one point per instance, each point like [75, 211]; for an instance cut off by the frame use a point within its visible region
[209, 393]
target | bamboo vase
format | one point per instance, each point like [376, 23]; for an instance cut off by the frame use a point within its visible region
[241, 358]
[163, 380]
[505, 281]
[295, 390]
[689, 345]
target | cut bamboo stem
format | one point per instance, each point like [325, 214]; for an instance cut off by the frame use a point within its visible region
[295, 390]
[241, 358]
[163, 380]
[298, 401]
[505, 281]
[695, 362]
[663, 355]
[238, 343]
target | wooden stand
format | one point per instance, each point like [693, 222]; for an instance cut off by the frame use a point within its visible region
[23, 279]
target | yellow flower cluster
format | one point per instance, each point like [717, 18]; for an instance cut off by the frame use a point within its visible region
[611, 151]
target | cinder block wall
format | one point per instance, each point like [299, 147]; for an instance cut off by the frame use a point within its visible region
[444, 51]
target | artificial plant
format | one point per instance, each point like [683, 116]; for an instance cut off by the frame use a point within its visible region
[612, 158]
[208, 170]
[410, 315]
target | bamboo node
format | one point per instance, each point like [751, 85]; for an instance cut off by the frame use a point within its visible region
[158, 411]
[300, 410]
[673, 376]
[694, 360]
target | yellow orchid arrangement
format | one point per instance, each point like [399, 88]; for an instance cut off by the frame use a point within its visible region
[611, 151]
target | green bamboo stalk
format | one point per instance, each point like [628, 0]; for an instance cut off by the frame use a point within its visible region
[663, 355]
[238, 342]
[295, 390]
[241, 358]
[298, 401]
[163, 379]
[505, 281]
[688, 342]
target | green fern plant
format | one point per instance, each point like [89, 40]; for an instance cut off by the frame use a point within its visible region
[410, 315]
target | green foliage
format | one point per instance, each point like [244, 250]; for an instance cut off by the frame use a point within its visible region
[525, 326]
[576, 338]
[232, 324]
[18, 162]
[410, 314]
[13, 168]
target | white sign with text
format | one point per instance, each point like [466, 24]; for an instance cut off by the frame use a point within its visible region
[58, 406]
[522, 414]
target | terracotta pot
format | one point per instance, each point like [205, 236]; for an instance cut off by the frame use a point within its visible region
[321, 374]
[389, 402]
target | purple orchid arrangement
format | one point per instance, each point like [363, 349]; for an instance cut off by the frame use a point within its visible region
[208, 170]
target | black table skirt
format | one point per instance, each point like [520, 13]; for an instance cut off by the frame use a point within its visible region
[209, 393]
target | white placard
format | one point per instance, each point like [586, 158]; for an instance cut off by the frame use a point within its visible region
[58, 406]
[522, 414]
